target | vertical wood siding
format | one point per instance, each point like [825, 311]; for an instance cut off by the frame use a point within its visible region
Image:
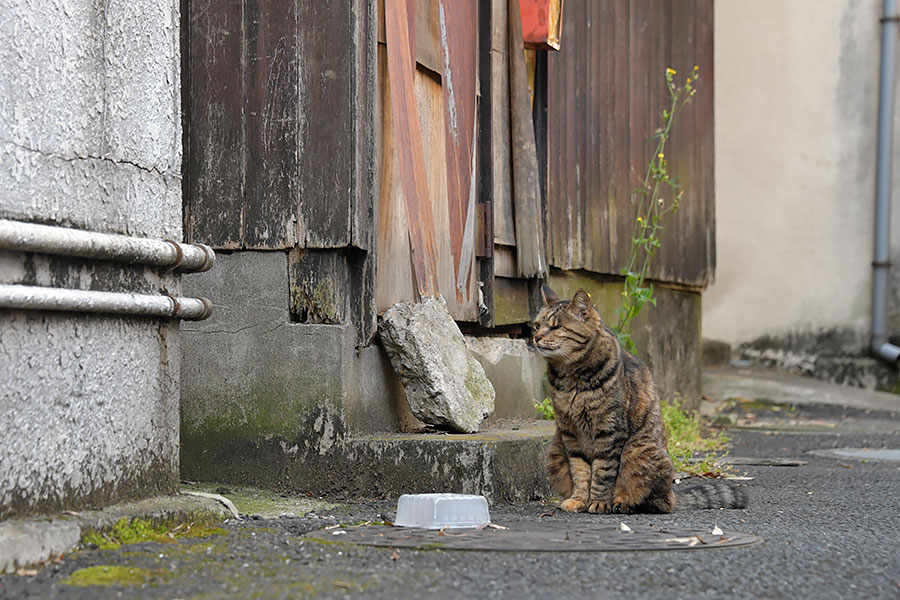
[273, 123]
[606, 93]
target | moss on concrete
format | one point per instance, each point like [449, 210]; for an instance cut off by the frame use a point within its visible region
[109, 575]
[134, 530]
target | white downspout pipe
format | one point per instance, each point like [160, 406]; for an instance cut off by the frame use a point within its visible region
[881, 262]
[29, 297]
[46, 239]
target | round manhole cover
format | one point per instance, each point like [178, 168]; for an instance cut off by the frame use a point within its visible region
[538, 537]
[891, 454]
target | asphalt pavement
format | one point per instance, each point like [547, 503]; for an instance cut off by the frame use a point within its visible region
[829, 528]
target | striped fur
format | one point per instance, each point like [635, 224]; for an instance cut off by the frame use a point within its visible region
[695, 495]
[608, 453]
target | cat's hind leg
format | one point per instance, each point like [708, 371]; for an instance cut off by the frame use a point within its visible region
[644, 483]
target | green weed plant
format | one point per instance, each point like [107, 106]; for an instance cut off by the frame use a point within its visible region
[657, 197]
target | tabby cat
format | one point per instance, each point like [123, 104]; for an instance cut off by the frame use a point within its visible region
[608, 453]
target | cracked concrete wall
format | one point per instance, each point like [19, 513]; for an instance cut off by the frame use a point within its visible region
[90, 137]
[90, 125]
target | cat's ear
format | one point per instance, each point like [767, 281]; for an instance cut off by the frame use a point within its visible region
[581, 306]
[548, 296]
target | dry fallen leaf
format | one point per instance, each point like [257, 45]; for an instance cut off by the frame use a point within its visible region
[495, 526]
[395, 555]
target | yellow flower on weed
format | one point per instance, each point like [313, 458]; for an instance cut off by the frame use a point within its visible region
[671, 71]
[660, 156]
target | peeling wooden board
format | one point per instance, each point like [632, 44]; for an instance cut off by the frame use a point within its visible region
[526, 188]
[420, 216]
[215, 170]
[321, 287]
[326, 137]
[505, 261]
[501, 168]
[511, 301]
[426, 36]
[270, 105]
[276, 102]
[458, 20]
[484, 174]
[395, 280]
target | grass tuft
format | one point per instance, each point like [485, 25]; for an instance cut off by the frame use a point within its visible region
[689, 449]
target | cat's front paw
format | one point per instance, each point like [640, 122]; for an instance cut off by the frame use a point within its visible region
[572, 505]
[601, 508]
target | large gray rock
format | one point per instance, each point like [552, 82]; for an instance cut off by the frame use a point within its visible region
[444, 384]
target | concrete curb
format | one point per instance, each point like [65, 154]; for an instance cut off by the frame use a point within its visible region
[771, 384]
[25, 542]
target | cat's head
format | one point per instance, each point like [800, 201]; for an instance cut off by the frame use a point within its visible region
[563, 328]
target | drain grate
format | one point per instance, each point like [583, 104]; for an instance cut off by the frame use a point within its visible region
[538, 537]
[891, 454]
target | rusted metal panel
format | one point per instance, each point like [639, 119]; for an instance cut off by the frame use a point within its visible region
[213, 202]
[607, 90]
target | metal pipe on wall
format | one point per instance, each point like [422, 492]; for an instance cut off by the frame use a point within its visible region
[46, 239]
[59, 299]
[881, 262]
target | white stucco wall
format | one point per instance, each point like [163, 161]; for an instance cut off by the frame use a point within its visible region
[796, 105]
[90, 137]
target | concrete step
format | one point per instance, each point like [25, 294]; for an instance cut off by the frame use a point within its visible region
[502, 464]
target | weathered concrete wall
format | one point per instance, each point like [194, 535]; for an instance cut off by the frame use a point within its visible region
[796, 105]
[249, 374]
[90, 137]
[90, 122]
[517, 372]
[278, 404]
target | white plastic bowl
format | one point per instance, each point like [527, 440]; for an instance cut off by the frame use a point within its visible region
[438, 511]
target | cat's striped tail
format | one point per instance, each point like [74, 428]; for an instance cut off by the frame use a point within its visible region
[697, 495]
